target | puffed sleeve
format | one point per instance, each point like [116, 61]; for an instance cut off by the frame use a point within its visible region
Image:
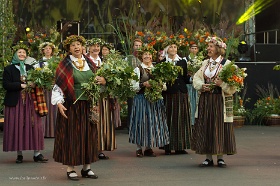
[57, 95]
[136, 84]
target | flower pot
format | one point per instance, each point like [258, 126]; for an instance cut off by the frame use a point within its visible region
[238, 121]
[272, 120]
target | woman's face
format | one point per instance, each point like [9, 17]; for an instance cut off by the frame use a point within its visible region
[48, 51]
[94, 49]
[147, 57]
[161, 55]
[105, 51]
[21, 53]
[76, 49]
[212, 51]
[172, 50]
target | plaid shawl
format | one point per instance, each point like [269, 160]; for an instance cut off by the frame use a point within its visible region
[65, 79]
[39, 101]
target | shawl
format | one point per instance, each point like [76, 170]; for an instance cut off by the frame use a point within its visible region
[64, 76]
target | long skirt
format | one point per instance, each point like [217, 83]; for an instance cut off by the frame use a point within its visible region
[76, 137]
[192, 92]
[23, 127]
[148, 126]
[109, 119]
[50, 119]
[178, 120]
[211, 134]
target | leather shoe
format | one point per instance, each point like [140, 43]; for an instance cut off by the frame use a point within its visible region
[19, 159]
[207, 163]
[167, 152]
[86, 175]
[40, 158]
[221, 163]
[139, 153]
[181, 152]
[150, 153]
[74, 178]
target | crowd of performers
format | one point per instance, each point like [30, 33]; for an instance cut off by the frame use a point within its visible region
[191, 115]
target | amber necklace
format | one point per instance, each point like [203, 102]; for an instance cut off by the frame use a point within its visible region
[80, 64]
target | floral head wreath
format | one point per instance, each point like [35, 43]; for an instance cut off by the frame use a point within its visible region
[44, 44]
[171, 40]
[95, 41]
[216, 41]
[147, 48]
[21, 45]
[71, 39]
[108, 45]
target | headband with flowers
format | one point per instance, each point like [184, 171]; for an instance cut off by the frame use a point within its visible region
[216, 41]
[21, 45]
[44, 44]
[147, 48]
[95, 41]
[73, 38]
[173, 39]
[110, 46]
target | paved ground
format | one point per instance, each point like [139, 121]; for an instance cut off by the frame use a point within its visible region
[256, 164]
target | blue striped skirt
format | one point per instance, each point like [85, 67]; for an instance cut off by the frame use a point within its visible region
[148, 125]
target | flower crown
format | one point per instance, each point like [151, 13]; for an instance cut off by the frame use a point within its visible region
[44, 44]
[110, 46]
[171, 40]
[73, 38]
[147, 48]
[95, 41]
[21, 45]
[216, 41]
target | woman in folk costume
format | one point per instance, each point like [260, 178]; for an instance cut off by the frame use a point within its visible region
[109, 115]
[213, 130]
[177, 103]
[23, 126]
[49, 51]
[76, 135]
[148, 125]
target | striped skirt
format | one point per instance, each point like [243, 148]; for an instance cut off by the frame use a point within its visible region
[23, 127]
[50, 119]
[109, 119]
[148, 125]
[211, 134]
[178, 120]
[76, 137]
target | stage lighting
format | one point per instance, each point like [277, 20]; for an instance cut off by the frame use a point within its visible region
[27, 29]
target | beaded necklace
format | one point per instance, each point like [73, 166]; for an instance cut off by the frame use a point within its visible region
[80, 65]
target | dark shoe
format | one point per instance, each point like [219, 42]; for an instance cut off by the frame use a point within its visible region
[85, 174]
[181, 152]
[207, 163]
[40, 158]
[19, 159]
[149, 152]
[167, 152]
[139, 153]
[74, 178]
[221, 163]
[102, 156]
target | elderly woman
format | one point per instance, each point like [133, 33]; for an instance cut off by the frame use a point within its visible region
[213, 130]
[48, 51]
[23, 126]
[75, 135]
[148, 125]
[177, 104]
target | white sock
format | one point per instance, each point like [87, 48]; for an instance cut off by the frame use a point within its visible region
[36, 153]
[139, 147]
[209, 157]
[19, 153]
[86, 167]
[69, 169]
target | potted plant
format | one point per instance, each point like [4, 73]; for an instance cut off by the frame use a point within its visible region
[239, 111]
[267, 108]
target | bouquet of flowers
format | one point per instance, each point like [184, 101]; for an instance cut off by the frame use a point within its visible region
[163, 72]
[92, 91]
[233, 75]
[195, 63]
[118, 74]
[42, 77]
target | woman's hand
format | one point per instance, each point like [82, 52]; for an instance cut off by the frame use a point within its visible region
[23, 86]
[61, 109]
[147, 84]
[218, 81]
[100, 80]
[205, 88]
